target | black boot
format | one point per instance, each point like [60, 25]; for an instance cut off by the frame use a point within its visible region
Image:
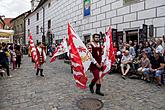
[98, 86]
[91, 87]
[37, 71]
[41, 72]
[1, 74]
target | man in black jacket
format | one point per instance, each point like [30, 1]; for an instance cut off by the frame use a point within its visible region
[4, 61]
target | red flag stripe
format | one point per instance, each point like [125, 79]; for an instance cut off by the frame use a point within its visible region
[80, 79]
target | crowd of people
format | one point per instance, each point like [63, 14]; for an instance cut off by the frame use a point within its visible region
[147, 59]
[10, 54]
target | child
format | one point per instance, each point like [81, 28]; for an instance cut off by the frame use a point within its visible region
[14, 60]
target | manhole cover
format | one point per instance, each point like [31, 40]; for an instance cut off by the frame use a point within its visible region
[90, 104]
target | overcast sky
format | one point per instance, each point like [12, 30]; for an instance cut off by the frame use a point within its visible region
[13, 8]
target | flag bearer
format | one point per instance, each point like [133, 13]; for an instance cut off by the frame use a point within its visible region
[96, 50]
[41, 57]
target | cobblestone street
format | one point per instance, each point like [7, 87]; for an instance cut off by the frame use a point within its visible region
[57, 90]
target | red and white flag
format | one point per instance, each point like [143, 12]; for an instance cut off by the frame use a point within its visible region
[80, 58]
[33, 51]
[61, 49]
[108, 57]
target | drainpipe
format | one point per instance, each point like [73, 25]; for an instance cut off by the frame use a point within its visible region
[43, 36]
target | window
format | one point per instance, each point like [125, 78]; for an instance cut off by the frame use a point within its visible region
[28, 32]
[131, 1]
[18, 28]
[49, 24]
[49, 4]
[37, 29]
[21, 28]
[28, 21]
[15, 28]
[37, 16]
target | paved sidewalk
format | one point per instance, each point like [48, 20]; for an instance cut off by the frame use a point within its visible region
[57, 90]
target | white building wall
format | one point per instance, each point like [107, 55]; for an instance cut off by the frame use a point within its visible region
[103, 14]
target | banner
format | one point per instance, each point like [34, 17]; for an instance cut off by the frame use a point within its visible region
[61, 49]
[80, 58]
[87, 7]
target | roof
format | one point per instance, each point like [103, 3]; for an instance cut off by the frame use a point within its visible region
[23, 14]
[7, 22]
[39, 5]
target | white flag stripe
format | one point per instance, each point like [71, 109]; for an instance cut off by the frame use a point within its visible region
[77, 73]
[61, 49]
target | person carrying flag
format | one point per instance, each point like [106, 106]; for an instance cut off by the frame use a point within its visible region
[96, 50]
[41, 57]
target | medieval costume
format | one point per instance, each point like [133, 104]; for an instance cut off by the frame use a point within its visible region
[42, 59]
[96, 51]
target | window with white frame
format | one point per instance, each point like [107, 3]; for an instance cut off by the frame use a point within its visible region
[28, 32]
[49, 4]
[37, 16]
[37, 29]
[28, 21]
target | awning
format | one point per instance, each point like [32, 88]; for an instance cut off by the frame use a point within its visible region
[5, 33]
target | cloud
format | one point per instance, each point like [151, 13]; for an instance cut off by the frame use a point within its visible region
[13, 8]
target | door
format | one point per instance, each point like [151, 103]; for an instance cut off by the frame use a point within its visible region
[131, 35]
[87, 38]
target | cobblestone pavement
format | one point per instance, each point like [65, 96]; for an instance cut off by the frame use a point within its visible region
[57, 91]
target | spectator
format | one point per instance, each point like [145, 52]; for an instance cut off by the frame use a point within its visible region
[18, 56]
[120, 45]
[136, 47]
[124, 47]
[164, 44]
[125, 61]
[147, 49]
[159, 47]
[140, 50]
[115, 48]
[131, 50]
[4, 60]
[157, 66]
[145, 66]
[14, 59]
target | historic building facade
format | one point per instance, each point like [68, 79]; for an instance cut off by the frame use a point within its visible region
[19, 28]
[130, 19]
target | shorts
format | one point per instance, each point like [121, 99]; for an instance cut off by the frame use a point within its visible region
[158, 73]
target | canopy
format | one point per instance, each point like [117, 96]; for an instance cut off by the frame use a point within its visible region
[5, 33]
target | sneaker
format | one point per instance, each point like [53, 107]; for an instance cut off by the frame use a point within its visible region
[148, 81]
[123, 77]
[10, 76]
[159, 85]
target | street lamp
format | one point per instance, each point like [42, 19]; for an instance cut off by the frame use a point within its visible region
[2, 16]
[43, 28]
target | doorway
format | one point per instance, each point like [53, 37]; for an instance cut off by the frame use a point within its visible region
[132, 35]
[87, 38]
